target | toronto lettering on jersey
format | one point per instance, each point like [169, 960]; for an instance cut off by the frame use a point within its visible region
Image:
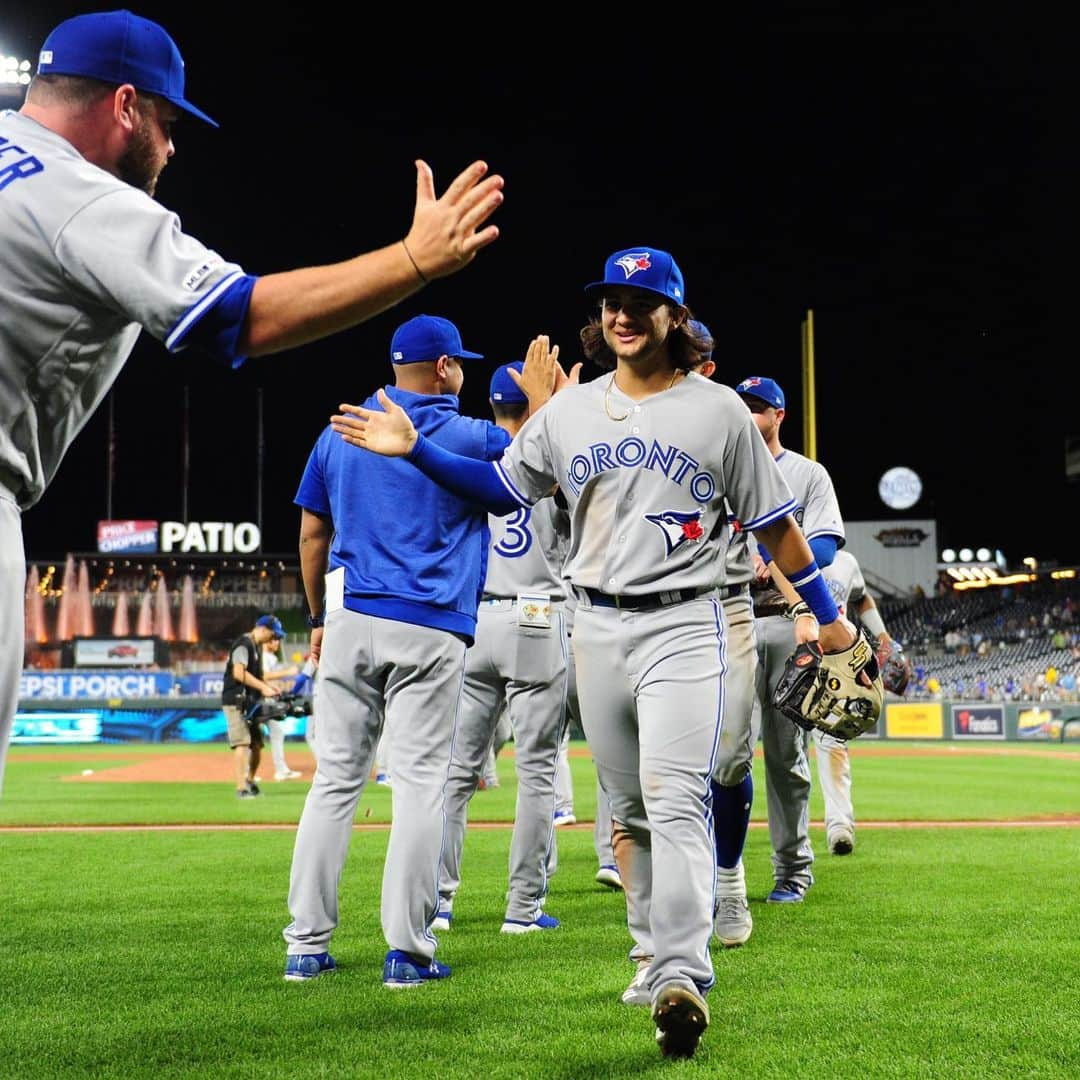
[632, 453]
[14, 167]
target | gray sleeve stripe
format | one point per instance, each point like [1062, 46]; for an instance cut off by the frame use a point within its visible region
[771, 516]
[196, 312]
[508, 484]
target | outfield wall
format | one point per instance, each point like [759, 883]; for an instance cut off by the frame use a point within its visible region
[194, 718]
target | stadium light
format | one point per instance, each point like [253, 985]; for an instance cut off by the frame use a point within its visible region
[14, 77]
[966, 554]
[948, 555]
[983, 554]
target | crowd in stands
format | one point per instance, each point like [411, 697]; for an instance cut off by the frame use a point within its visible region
[993, 644]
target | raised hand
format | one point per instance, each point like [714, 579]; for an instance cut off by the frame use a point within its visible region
[541, 374]
[445, 233]
[390, 433]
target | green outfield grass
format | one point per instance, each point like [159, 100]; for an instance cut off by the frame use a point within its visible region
[931, 952]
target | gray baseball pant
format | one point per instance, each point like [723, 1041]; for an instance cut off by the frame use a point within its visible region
[524, 666]
[651, 690]
[12, 615]
[787, 766]
[374, 671]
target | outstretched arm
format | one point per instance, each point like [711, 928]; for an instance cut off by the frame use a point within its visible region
[299, 306]
[391, 433]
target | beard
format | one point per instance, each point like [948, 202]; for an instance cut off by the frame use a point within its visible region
[138, 165]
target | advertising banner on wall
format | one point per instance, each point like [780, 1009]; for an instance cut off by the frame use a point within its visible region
[914, 720]
[127, 537]
[113, 652]
[978, 721]
[45, 685]
[1039, 722]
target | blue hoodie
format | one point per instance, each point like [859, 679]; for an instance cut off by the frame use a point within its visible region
[411, 550]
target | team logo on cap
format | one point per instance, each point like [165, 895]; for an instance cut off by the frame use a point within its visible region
[679, 527]
[631, 264]
[746, 384]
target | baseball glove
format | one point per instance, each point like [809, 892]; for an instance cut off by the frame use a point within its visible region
[824, 691]
[893, 664]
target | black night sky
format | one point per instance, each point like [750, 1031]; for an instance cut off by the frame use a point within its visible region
[907, 187]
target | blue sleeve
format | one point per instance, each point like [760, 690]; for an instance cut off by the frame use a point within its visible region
[766, 558]
[824, 549]
[497, 442]
[219, 328]
[312, 494]
[477, 481]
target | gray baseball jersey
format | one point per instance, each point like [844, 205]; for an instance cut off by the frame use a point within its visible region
[518, 658]
[85, 262]
[646, 482]
[787, 768]
[845, 580]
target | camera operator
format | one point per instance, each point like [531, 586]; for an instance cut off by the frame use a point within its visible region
[244, 688]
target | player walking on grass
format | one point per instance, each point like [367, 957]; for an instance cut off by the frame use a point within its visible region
[848, 587]
[787, 766]
[393, 618]
[518, 660]
[88, 260]
[648, 459]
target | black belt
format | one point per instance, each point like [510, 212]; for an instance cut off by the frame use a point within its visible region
[648, 601]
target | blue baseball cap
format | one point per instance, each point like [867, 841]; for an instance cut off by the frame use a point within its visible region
[119, 47]
[698, 328]
[503, 388]
[643, 268]
[766, 389]
[272, 623]
[427, 337]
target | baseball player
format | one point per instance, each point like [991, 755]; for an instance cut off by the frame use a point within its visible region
[275, 671]
[243, 686]
[391, 620]
[519, 659]
[648, 458]
[89, 259]
[845, 579]
[787, 768]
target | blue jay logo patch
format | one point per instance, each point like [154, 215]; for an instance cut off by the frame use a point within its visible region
[679, 527]
[631, 264]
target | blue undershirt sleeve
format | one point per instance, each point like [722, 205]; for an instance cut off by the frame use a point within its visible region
[824, 549]
[477, 481]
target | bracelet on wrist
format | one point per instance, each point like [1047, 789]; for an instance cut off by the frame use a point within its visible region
[315, 621]
[800, 610]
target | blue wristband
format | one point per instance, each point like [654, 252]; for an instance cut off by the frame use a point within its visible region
[810, 585]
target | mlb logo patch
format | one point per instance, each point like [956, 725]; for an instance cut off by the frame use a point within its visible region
[45, 57]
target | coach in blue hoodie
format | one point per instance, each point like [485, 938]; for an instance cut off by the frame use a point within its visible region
[393, 567]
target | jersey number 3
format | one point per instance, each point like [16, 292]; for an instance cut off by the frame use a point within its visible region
[517, 539]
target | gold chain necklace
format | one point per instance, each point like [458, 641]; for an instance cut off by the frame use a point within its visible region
[611, 382]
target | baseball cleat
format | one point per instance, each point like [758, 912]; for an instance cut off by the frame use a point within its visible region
[442, 920]
[788, 892]
[681, 1017]
[287, 774]
[520, 926]
[246, 793]
[402, 971]
[609, 876]
[637, 993]
[564, 817]
[302, 968]
[732, 922]
[382, 779]
[843, 843]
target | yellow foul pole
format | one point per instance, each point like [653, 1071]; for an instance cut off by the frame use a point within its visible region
[809, 403]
